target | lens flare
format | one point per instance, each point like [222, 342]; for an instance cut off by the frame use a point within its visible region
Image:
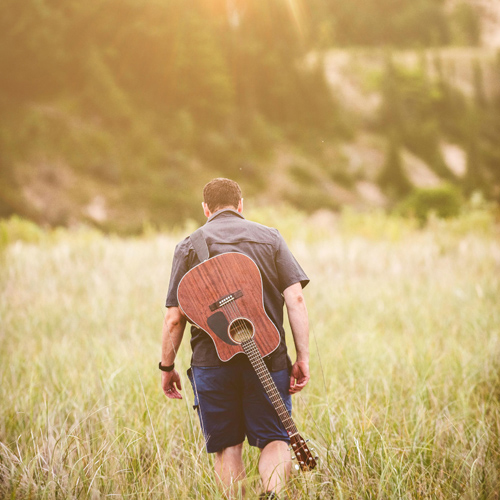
[296, 11]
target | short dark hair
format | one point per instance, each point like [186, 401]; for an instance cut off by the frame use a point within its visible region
[220, 193]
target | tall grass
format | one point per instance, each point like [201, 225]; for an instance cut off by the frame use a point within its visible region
[403, 402]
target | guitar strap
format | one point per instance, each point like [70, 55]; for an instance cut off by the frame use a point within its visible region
[201, 248]
[200, 245]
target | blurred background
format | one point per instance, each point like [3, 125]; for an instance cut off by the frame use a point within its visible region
[115, 113]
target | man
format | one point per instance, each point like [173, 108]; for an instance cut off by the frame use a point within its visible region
[229, 397]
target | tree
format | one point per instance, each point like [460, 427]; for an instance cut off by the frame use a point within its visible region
[393, 178]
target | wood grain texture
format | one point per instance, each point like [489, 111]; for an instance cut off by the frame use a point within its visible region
[216, 278]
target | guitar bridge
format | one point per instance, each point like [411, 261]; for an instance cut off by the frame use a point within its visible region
[225, 300]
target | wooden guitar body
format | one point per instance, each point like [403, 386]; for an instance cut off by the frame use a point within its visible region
[217, 293]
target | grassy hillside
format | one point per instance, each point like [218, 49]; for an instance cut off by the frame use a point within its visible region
[405, 342]
[116, 113]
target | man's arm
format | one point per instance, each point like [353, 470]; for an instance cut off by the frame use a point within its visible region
[173, 331]
[299, 322]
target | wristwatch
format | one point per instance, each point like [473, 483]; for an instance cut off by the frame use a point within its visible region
[166, 368]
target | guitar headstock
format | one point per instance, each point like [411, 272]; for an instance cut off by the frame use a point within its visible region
[305, 459]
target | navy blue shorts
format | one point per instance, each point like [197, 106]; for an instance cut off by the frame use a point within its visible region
[232, 405]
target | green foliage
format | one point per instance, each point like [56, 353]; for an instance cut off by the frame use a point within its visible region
[32, 50]
[465, 24]
[10, 197]
[310, 192]
[311, 198]
[443, 201]
[339, 173]
[129, 95]
[262, 135]
[18, 229]
[133, 94]
[303, 174]
[400, 23]
[393, 178]
[473, 179]
[419, 113]
[375, 225]
[125, 57]
[410, 111]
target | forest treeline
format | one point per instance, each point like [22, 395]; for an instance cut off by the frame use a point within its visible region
[171, 52]
[145, 95]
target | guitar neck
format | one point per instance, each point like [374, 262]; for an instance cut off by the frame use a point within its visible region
[302, 453]
[251, 350]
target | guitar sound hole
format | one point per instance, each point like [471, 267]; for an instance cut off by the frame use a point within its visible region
[241, 329]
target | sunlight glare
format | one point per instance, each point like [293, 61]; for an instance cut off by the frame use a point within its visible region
[296, 12]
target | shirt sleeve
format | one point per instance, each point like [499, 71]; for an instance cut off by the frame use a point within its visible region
[179, 269]
[289, 270]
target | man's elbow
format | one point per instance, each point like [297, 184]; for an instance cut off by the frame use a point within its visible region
[294, 296]
[171, 325]
[174, 319]
[299, 297]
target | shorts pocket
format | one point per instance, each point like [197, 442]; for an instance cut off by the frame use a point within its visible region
[195, 392]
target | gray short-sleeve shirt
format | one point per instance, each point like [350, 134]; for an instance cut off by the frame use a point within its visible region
[229, 231]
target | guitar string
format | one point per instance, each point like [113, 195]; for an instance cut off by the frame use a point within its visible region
[260, 368]
[239, 320]
[273, 393]
[306, 461]
[251, 349]
[285, 417]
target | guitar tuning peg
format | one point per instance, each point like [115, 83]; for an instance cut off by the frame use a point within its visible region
[293, 458]
[297, 467]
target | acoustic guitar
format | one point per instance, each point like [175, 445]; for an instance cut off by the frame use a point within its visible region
[223, 296]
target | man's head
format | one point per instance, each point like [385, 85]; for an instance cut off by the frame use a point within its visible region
[221, 193]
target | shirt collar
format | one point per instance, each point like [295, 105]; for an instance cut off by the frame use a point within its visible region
[225, 212]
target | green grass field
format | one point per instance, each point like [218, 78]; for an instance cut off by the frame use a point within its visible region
[403, 402]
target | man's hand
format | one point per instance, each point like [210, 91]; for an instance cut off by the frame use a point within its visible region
[171, 384]
[299, 376]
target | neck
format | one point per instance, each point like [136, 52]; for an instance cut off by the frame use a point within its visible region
[219, 209]
[209, 214]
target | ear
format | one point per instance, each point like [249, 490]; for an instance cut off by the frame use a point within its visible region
[240, 206]
[206, 211]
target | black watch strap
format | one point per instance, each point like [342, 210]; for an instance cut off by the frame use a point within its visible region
[166, 368]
